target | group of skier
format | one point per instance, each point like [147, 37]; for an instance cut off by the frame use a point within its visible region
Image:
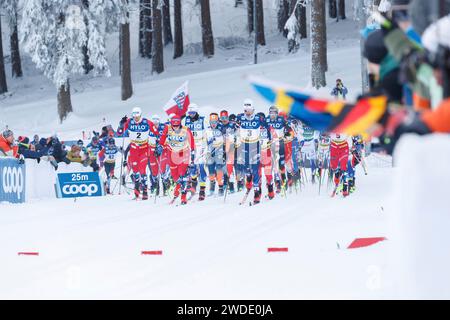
[232, 153]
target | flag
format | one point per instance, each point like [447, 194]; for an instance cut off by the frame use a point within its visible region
[179, 102]
[334, 116]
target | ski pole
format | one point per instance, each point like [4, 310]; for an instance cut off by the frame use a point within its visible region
[121, 165]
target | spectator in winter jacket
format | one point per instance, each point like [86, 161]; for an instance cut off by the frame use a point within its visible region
[339, 91]
[76, 154]
[28, 150]
[7, 146]
[56, 149]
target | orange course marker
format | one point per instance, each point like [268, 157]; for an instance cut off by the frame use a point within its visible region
[365, 242]
[277, 249]
[28, 253]
[156, 252]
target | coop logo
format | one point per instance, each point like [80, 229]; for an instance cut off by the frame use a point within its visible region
[80, 189]
[13, 181]
[79, 184]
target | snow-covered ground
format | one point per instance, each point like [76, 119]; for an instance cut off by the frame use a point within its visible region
[91, 248]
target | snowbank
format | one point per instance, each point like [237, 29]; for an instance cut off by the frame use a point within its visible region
[420, 220]
[41, 178]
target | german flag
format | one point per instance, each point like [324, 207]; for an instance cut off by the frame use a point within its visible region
[334, 116]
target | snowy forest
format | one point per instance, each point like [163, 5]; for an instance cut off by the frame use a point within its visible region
[68, 38]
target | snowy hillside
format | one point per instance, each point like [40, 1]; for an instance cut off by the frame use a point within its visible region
[215, 82]
[91, 248]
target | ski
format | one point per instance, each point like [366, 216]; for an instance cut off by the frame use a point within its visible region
[244, 199]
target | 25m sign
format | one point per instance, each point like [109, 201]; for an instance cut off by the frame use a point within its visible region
[79, 184]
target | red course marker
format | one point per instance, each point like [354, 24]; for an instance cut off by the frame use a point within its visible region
[365, 242]
[28, 253]
[277, 249]
[159, 252]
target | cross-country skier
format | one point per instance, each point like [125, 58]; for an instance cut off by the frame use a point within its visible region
[196, 124]
[266, 155]
[229, 131]
[216, 154]
[249, 152]
[238, 166]
[154, 152]
[308, 149]
[109, 152]
[339, 151]
[283, 136]
[180, 145]
[93, 150]
[138, 129]
[323, 153]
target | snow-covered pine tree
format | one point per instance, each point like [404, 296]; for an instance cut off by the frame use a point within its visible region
[11, 8]
[318, 38]
[292, 27]
[282, 15]
[53, 33]
[3, 84]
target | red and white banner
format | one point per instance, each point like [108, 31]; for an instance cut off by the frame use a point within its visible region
[179, 102]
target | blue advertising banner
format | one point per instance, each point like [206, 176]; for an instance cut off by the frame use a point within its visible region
[12, 180]
[79, 184]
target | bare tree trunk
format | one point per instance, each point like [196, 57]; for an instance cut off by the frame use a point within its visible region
[283, 16]
[250, 16]
[341, 9]
[167, 29]
[141, 28]
[16, 61]
[157, 57]
[3, 85]
[178, 44]
[317, 44]
[324, 56]
[64, 101]
[87, 66]
[362, 18]
[125, 61]
[303, 22]
[332, 9]
[260, 22]
[147, 33]
[207, 34]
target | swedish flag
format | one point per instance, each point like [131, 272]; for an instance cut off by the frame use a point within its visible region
[321, 114]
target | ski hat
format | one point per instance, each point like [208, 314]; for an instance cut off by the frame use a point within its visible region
[437, 34]
[213, 117]
[136, 112]
[374, 49]
[193, 108]
[248, 104]
[223, 114]
[7, 133]
[175, 121]
[273, 109]
[156, 118]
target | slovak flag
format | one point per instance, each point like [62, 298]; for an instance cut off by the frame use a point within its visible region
[179, 102]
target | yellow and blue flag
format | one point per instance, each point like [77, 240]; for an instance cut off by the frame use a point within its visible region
[336, 116]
